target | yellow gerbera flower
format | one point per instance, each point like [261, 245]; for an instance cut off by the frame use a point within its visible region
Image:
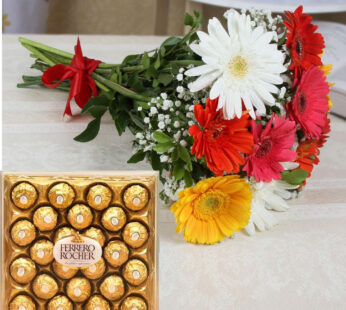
[213, 209]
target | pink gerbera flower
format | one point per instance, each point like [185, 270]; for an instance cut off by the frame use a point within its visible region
[310, 103]
[271, 146]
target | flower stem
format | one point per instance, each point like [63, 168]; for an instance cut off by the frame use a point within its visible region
[120, 89]
[39, 54]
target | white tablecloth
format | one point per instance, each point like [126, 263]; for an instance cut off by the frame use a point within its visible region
[300, 264]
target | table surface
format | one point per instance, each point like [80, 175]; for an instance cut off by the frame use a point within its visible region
[300, 264]
[310, 6]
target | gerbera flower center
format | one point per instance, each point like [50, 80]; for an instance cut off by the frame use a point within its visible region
[299, 47]
[302, 104]
[209, 203]
[238, 67]
[264, 147]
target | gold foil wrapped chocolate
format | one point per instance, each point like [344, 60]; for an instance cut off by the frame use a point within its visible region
[63, 271]
[96, 234]
[135, 234]
[61, 195]
[24, 195]
[23, 270]
[42, 252]
[95, 271]
[80, 216]
[135, 272]
[133, 303]
[99, 197]
[64, 232]
[23, 232]
[112, 287]
[97, 302]
[22, 302]
[45, 286]
[116, 253]
[60, 302]
[45, 218]
[78, 289]
[118, 212]
[114, 218]
[136, 197]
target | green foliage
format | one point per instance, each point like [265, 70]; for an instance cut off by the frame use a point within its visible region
[90, 132]
[135, 158]
[294, 177]
[161, 137]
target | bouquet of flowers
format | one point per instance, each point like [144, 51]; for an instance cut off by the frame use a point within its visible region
[233, 119]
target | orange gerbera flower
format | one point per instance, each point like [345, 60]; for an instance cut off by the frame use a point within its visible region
[220, 141]
[308, 150]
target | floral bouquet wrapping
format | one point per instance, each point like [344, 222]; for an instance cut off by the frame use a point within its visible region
[233, 119]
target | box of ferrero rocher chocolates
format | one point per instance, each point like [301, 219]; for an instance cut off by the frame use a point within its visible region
[79, 241]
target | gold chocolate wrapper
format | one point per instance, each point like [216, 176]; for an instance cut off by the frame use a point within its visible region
[22, 302]
[135, 234]
[23, 270]
[95, 271]
[133, 302]
[78, 289]
[64, 232]
[135, 272]
[97, 302]
[96, 234]
[64, 272]
[60, 302]
[61, 195]
[116, 212]
[113, 219]
[24, 195]
[23, 232]
[45, 218]
[99, 197]
[80, 216]
[45, 286]
[42, 252]
[136, 197]
[116, 253]
[112, 287]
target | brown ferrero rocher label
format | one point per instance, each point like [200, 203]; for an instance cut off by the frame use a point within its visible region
[75, 241]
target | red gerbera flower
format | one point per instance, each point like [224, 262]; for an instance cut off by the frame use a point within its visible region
[304, 43]
[271, 146]
[310, 103]
[220, 141]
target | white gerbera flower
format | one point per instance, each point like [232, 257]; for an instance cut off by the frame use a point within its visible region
[267, 196]
[240, 65]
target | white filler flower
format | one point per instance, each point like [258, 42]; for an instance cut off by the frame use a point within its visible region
[265, 197]
[241, 65]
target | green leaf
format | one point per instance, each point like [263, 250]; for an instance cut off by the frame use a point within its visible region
[175, 154]
[185, 156]
[171, 41]
[178, 171]
[294, 177]
[155, 161]
[157, 62]
[163, 147]
[135, 158]
[137, 120]
[146, 60]
[90, 132]
[188, 20]
[101, 100]
[161, 137]
[121, 119]
[165, 78]
[188, 179]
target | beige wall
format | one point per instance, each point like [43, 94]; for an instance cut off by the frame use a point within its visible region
[160, 17]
